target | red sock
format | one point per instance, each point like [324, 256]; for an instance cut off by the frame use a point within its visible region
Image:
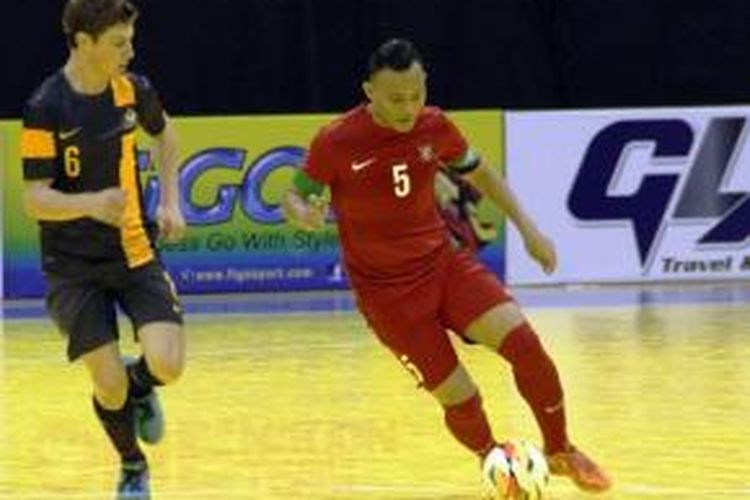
[468, 424]
[539, 384]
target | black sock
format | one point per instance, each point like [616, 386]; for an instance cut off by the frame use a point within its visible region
[141, 379]
[120, 427]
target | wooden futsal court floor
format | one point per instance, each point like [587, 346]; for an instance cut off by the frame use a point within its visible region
[310, 406]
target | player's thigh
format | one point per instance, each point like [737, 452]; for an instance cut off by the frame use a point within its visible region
[491, 327]
[148, 295]
[84, 312]
[475, 304]
[149, 298]
[163, 345]
[414, 335]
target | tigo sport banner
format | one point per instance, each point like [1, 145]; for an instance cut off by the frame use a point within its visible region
[634, 195]
[233, 173]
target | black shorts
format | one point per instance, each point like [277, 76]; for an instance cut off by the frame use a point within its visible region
[84, 308]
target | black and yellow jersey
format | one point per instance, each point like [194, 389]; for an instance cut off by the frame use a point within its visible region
[87, 143]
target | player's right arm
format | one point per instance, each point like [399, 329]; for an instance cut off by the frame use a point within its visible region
[303, 203]
[40, 166]
[43, 203]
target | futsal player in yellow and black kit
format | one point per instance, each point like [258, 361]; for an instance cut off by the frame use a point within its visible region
[82, 185]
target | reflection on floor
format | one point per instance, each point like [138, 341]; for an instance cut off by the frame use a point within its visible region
[308, 405]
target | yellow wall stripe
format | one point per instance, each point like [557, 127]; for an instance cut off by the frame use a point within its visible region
[123, 91]
[133, 235]
[37, 144]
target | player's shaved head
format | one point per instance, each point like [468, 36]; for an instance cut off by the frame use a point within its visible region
[396, 54]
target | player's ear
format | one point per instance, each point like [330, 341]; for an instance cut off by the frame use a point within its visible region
[82, 40]
[367, 89]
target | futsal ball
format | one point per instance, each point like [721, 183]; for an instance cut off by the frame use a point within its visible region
[516, 469]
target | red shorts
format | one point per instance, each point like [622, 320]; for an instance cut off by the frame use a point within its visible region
[412, 320]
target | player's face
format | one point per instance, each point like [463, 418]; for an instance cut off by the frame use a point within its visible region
[111, 53]
[397, 97]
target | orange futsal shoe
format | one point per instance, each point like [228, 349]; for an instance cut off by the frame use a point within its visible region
[583, 471]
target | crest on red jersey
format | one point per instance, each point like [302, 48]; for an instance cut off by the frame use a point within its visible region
[426, 153]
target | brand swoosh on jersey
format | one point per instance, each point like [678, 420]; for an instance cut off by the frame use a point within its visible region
[359, 165]
[64, 135]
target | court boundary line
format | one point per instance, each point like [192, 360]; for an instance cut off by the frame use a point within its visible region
[413, 490]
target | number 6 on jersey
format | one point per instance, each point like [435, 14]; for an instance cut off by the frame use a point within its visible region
[401, 180]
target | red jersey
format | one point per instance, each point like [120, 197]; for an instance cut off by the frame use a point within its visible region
[382, 186]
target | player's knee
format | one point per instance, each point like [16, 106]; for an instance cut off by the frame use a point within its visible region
[465, 409]
[496, 325]
[521, 343]
[456, 388]
[168, 366]
[164, 349]
[111, 389]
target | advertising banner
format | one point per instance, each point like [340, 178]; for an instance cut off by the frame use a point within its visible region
[3, 150]
[233, 172]
[633, 195]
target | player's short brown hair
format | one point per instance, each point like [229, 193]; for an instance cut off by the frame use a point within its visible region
[94, 17]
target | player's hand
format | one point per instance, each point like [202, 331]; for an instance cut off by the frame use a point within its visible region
[541, 250]
[108, 206]
[171, 222]
[313, 217]
[305, 213]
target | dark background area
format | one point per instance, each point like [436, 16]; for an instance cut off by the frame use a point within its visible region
[299, 56]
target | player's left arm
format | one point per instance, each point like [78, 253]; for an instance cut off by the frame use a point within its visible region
[489, 182]
[168, 214]
[156, 123]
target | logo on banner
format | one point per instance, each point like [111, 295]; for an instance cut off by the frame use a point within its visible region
[690, 191]
[247, 193]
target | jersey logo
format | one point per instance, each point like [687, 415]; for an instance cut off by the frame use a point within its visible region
[129, 120]
[359, 165]
[127, 124]
[426, 153]
[64, 135]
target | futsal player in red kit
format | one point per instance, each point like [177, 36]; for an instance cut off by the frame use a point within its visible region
[412, 283]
